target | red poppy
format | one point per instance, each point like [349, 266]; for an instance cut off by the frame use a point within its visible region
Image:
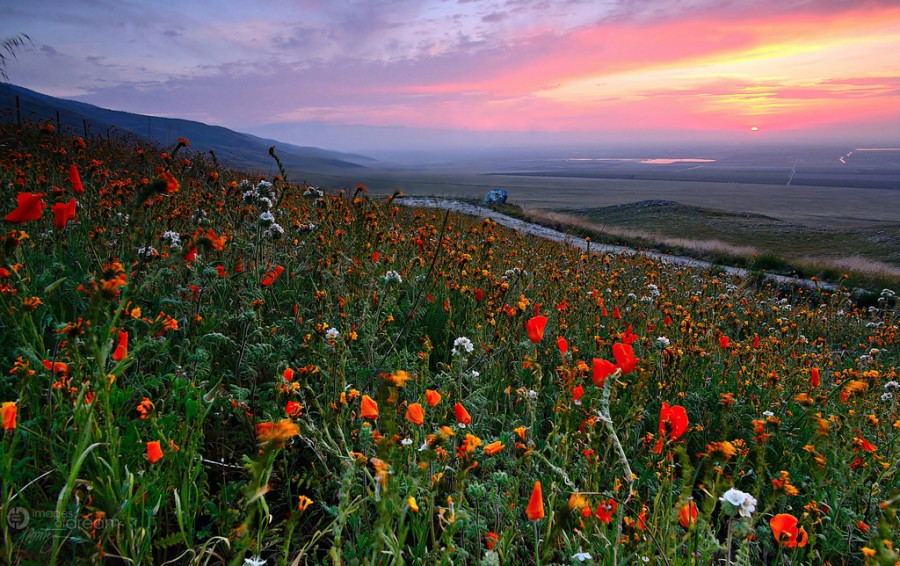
[375, 257]
[288, 374]
[75, 179]
[56, 367]
[368, 408]
[535, 509]
[668, 320]
[271, 276]
[606, 510]
[563, 345]
[29, 207]
[625, 359]
[491, 539]
[723, 341]
[62, 213]
[462, 415]
[577, 394]
[784, 527]
[293, 409]
[122, 348]
[602, 370]
[535, 327]
[815, 379]
[687, 515]
[628, 337]
[479, 295]
[616, 314]
[756, 341]
[415, 414]
[154, 451]
[672, 420]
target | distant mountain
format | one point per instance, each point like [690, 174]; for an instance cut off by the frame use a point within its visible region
[234, 149]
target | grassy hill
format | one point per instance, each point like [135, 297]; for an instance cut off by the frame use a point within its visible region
[234, 149]
[202, 366]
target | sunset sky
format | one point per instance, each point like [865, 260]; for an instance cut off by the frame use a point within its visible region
[354, 72]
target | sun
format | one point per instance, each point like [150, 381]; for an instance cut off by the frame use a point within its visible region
[754, 128]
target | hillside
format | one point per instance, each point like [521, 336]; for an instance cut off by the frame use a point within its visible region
[198, 366]
[234, 149]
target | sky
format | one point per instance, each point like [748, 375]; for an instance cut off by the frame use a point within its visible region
[354, 74]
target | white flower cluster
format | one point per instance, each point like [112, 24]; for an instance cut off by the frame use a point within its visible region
[148, 252]
[332, 334]
[262, 195]
[392, 277]
[662, 343]
[743, 502]
[514, 273]
[462, 346]
[173, 239]
[313, 192]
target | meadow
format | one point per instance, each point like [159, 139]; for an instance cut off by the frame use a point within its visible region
[208, 366]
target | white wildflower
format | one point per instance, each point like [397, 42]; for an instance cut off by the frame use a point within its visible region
[392, 277]
[462, 345]
[582, 556]
[743, 502]
[662, 342]
[332, 334]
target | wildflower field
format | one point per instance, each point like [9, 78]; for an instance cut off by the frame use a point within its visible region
[200, 366]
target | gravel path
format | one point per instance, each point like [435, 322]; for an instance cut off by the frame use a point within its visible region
[557, 236]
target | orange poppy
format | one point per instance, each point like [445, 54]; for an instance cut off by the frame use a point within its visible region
[687, 515]
[8, 411]
[784, 527]
[602, 370]
[415, 414]
[154, 451]
[368, 408]
[462, 415]
[122, 348]
[535, 327]
[29, 206]
[493, 448]
[63, 212]
[75, 179]
[535, 509]
[432, 397]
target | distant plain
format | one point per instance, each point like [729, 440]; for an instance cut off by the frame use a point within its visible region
[842, 206]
